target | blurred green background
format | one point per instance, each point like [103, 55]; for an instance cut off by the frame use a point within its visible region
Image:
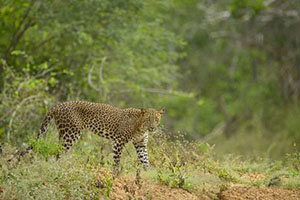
[227, 72]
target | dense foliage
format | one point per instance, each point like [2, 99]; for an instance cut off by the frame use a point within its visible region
[223, 69]
[104, 51]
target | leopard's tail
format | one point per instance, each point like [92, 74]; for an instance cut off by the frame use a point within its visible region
[42, 132]
[45, 125]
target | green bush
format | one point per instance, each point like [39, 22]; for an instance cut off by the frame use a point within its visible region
[45, 148]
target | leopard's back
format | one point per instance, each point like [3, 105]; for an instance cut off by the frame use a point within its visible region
[101, 119]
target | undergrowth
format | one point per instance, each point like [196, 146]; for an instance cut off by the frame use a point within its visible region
[85, 172]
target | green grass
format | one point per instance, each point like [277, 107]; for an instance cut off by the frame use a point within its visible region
[85, 172]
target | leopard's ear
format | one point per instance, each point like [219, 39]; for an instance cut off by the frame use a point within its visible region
[161, 111]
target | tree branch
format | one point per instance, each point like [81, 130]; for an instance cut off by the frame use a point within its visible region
[218, 130]
[101, 69]
[44, 42]
[18, 33]
[90, 79]
[152, 90]
[15, 112]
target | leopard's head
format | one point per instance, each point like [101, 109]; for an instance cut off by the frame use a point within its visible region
[151, 118]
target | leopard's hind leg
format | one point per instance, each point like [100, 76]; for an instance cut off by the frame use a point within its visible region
[117, 150]
[68, 136]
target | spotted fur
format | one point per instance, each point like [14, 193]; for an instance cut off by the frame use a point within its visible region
[119, 125]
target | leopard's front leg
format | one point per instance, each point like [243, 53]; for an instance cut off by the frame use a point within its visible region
[141, 149]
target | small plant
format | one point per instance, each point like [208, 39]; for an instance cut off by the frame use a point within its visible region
[103, 180]
[105, 185]
[214, 167]
[45, 148]
[173, 173]
[294, 160]
[108, 186]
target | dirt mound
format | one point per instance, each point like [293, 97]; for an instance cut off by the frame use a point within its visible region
[268, 193]
[253, 176]
[127, 188]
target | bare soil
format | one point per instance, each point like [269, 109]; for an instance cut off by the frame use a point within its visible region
[267, 193]
[127, 188]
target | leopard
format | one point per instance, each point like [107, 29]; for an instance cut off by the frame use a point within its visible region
[120, 125]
